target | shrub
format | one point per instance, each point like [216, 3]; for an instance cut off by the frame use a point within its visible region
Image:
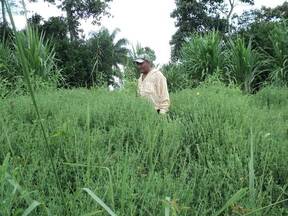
[202, 56]
[243, 64]
[279, 55]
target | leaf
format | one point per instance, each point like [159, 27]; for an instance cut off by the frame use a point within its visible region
[235, 198]
[99, 201]
[93, 213]
[33, 206]
[167, 207]
[3, 168]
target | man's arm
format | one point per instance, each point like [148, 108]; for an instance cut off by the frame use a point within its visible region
[163, 94]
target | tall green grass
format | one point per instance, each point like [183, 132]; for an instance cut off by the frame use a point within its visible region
[35, 59]
[279, 56]
[202, 56]
[40, 59]
[233, 60]
[132, 159]
[243, 64]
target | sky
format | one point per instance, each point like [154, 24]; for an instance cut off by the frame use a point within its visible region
[147, 22]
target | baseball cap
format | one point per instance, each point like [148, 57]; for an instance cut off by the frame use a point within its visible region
[142, 58]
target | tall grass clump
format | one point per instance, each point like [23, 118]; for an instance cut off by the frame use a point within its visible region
[9, 71]
[39, 53]
[243, 64]
[8, 65]
[29, 48]
[202, 56]
[279, 55]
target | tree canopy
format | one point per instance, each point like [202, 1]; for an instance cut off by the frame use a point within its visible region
[200, 16]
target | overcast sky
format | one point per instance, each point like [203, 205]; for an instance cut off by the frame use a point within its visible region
[145, 21]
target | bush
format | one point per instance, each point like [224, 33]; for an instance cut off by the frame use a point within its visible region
[176, 77]
[243, 64]
[279, 55]
[202, 56]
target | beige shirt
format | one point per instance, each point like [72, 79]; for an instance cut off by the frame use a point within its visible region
[154, 88]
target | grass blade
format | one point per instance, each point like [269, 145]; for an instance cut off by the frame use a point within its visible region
[252, 173]
[33, 206]
[167, 207]
[99, 201]
[259, 209]
[235, 198]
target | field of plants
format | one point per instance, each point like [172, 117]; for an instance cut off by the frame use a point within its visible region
[218, 152]
[68, 146]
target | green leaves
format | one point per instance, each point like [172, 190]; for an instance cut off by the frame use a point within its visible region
[99, 201]
[82, 9]
[233, 200]
[197, 17]
[279, 55]
[201, 56]
[12, 194]
[31, 208]
[243, 64]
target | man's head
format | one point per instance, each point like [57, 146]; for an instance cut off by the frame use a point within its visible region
[144, 64]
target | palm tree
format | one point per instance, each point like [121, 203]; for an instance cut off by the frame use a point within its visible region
[120, 49]
[108, 53]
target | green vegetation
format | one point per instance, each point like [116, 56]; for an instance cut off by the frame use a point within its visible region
[234, 60]
[115, 145]
[222, 150]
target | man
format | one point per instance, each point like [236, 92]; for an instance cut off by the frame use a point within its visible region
[152, 85]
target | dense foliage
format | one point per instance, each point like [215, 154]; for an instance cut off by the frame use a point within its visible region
[219, 151]
[194, 16]
[260, 37]
[115, 145]
[234, 61]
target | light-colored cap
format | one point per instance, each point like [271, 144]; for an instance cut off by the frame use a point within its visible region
[142, 58]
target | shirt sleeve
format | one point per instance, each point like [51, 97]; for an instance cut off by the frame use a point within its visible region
[163, 94]
[138, 88]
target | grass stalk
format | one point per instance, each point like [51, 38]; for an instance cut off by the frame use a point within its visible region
[252, 189]
[26, 73]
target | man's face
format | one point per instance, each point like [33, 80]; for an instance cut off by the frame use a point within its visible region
[144, 67]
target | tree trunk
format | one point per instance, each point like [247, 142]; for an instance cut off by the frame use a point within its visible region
[3, 12]
[71, 21]
[232, 6]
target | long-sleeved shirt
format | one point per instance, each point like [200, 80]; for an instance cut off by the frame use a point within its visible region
[154, 87]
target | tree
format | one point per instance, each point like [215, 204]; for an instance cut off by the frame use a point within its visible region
[231, 7]
[3, 12]
[108, 53]
[12, 4]
[199, 16]
[257, 24]
[81, 9]
[265, 14]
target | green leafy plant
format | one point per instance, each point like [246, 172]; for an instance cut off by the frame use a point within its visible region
[243, 64]
[279, 55]
[202, 56]
[26, 61]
